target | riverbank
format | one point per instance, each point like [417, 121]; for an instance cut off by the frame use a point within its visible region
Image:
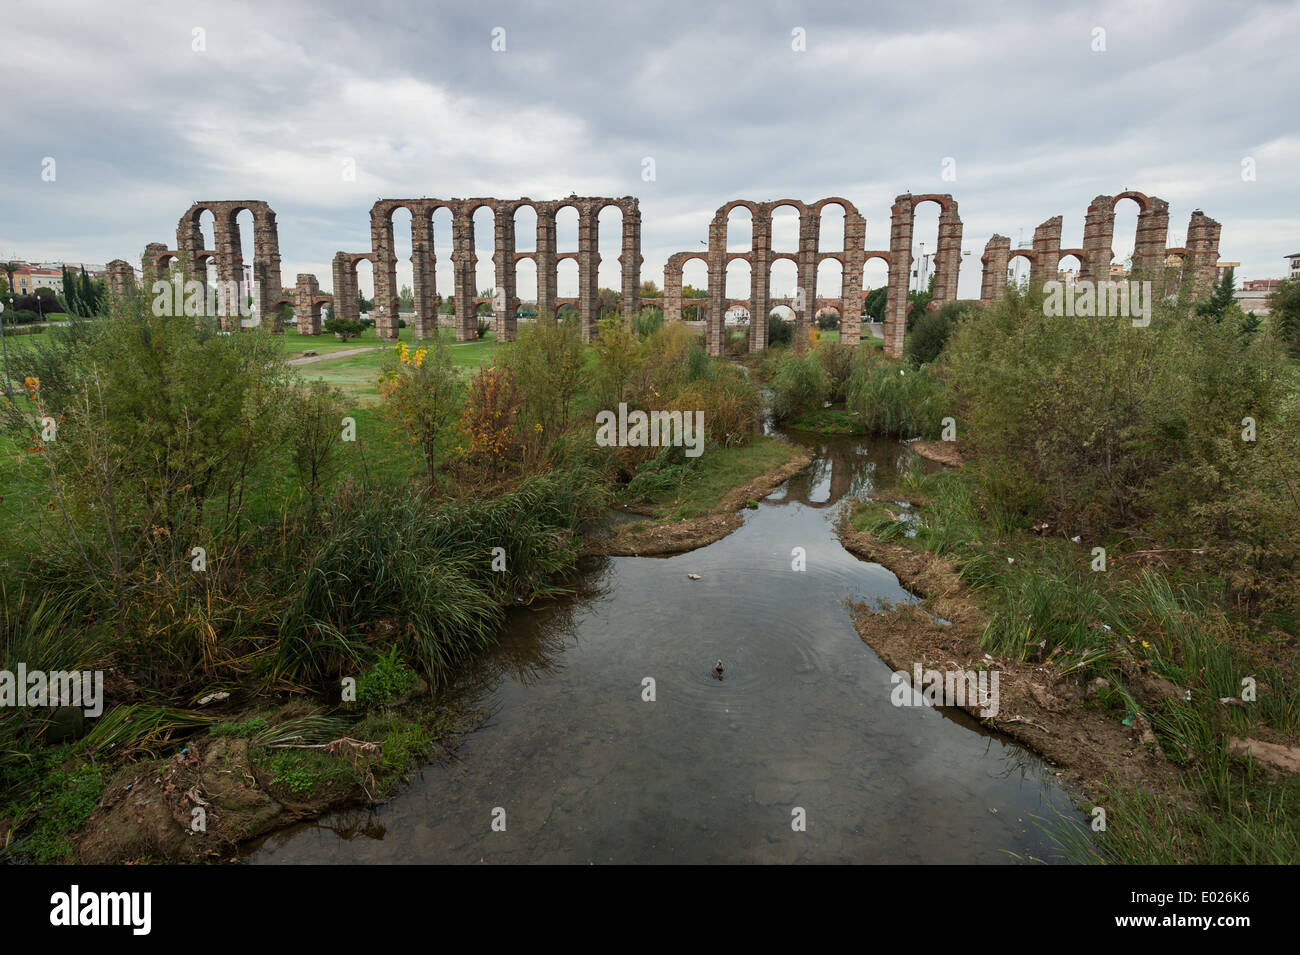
[716, 506]
[1118, 679]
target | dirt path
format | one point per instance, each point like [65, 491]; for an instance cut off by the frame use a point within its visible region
[310, 359]
[346, 352]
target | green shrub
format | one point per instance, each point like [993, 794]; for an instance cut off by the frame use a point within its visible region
[345, 328]
[931, 330]
[837, 360]
[893, 398]
[800, 386]
[779, 331]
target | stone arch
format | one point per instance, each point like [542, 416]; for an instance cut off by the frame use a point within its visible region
[265, 268]
[947, 261]
[347, 289]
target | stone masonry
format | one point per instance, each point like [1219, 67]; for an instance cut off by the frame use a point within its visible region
[1044, 254]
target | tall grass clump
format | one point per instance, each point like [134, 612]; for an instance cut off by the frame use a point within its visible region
[799, 386]
[391, 569]
[894, 398]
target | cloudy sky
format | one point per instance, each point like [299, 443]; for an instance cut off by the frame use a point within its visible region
[146, 107]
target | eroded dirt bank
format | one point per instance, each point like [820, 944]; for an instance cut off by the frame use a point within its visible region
[1051, 713]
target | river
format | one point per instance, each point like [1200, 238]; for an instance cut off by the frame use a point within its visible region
[579, 768]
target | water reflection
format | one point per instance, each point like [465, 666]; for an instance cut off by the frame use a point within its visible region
[587, 770]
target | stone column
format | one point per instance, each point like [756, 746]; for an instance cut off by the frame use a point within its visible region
[1152, 233]
[947, 257]
[150, 262]
[760, 278]
[809, 234]
[464, 260]
[996, 257]
[854, 261]
[268, 282]
[673, 290]
[306, 291]
[900, 271]
[1203, 251]
[385, 271]
[630, 260]
[230, 273]
[545, 260]
[717, 284]
[503, 296]
[423, 283]
[588, 271]
[121, 278]
[1047, 252]
[344, 272]
[1098, 238]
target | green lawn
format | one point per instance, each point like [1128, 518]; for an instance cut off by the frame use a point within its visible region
[719, 471]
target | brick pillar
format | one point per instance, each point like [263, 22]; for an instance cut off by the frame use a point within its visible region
[503, 296]
[947, 257]
[673, 289]
[149, 262]
[1047, 251]
[900, 271]
[993, 281]
[545, 260]
[809, 233]
[344, 272]
[588, 270]
[230, 273]
[463, 260]
[268, 281]
[1152, 233]
[305, 309]
[854, 261]
[717, 284]
[121, 278]
[760, 279]
[1098, 240]
[1203, 251]
[385, 272]
[630, 260]
[422, 273]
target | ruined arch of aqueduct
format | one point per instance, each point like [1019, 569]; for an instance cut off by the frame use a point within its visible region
[1044, 254]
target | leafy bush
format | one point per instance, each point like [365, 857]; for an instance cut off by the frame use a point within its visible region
[800, 386]
[421, 394]
[548, 354]
[316, 409]
[931, 330]
[647, 321]
[388, 679]
[779, 331]
[490, 420]
[345, 328]
[1109, 428]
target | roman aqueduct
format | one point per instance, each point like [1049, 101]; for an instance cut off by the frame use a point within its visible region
[1151, 256]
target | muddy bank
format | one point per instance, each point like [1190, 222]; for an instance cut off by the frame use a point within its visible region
[675, 537]
[218, 792]
[1053, 714]
[943, 452]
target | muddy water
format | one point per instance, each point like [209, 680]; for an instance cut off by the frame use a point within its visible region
[711, 771]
